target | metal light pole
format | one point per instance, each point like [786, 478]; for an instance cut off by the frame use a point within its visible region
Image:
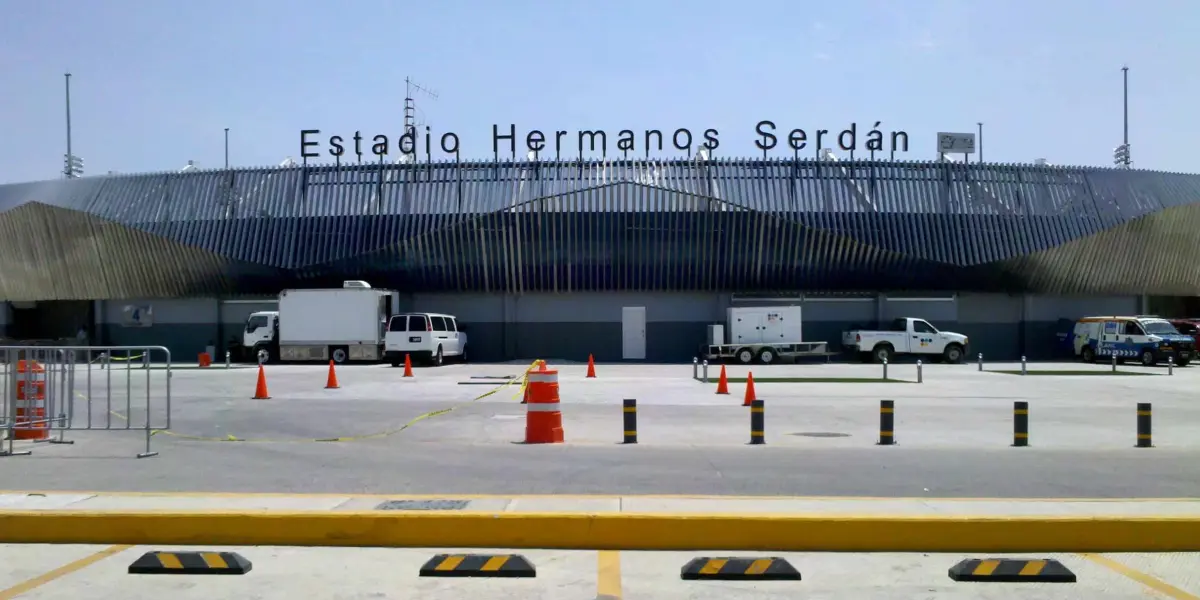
[1125, 85]
[226, 147]
[980, 141]
[67, 168]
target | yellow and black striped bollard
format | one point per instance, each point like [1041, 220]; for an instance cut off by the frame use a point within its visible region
[1144, 439]
[629, 410]
[757, 423]
[887, 422]
[1020, 423]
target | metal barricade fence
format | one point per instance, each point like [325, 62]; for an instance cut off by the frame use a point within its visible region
[48, 391]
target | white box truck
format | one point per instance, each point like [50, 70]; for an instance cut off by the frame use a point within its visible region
[762, 334]
[339, 324]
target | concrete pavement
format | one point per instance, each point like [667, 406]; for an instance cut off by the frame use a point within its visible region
[954, 432]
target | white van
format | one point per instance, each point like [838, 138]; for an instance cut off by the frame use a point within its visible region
[429, 337]
[1149, 339]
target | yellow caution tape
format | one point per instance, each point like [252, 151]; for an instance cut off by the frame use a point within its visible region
[349, 438]
[118, 358]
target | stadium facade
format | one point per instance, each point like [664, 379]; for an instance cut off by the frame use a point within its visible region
[540, 258]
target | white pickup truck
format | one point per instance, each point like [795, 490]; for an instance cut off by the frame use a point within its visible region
[906, 336]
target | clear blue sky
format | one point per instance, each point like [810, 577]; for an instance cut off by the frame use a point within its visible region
[155, 83]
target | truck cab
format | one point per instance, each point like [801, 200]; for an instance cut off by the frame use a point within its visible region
[261, 336]
[906, 335]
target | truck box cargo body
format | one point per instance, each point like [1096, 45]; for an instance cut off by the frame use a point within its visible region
[763, 334]
[311, 321]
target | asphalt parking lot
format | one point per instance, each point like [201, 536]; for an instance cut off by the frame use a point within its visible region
[953, 430]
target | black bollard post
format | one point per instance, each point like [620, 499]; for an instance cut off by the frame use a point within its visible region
[1143, 426]
[757, 423]
[887, 422]
[630, 413]
[1020, 424]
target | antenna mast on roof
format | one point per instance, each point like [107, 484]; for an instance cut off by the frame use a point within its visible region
[410, 106]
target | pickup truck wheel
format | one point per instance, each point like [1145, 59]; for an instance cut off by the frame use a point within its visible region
[745, 356]
[953, 354]
[1087, 354]
[1183, 362]
[1148, 358]
[881, 353]
[766, 356]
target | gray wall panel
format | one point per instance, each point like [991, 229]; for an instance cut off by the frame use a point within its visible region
[989, 308]
[936, 312]
[177, 311]
[1052, 308]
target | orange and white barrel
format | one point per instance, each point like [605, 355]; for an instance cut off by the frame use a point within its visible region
[31, 422]
[543, 419]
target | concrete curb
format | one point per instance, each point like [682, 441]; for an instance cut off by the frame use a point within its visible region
[611, 531]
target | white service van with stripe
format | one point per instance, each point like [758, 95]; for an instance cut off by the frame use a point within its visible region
[1148, 339]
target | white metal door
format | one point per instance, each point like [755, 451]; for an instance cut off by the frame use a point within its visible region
[633, 333]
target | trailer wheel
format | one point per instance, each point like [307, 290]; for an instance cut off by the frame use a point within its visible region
[745, 356]
[339, 355]
[766, 356]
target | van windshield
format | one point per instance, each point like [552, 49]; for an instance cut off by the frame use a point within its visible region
[1159, 327]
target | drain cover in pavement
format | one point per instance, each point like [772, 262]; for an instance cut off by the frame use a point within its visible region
[821, 434]
[423, 505]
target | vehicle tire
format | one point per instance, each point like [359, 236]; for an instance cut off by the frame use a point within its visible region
[1183, 362]
[882, 352]
[767, 356]
[745, 356]
[262, 354]
[438, 360]
[338, 355]
[953, 354]
[1148, 358]
[395, 363]
[1087, 354]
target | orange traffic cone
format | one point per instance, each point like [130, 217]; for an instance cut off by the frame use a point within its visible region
[750, 397]
[331, 381]
[591, 367]
[407, 366]
[723, 382]
[260, 390]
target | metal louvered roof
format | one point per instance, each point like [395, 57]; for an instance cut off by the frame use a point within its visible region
[723, 224]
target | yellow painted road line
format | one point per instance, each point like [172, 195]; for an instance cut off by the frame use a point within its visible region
[608, 575]
[62, 571]
[1145, 579]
